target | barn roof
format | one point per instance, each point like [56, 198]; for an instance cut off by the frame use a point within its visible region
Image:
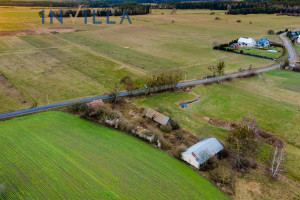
[156, 116]
[246, 40]
[205, 149]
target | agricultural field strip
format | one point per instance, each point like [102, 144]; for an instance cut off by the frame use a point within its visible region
[141, 71]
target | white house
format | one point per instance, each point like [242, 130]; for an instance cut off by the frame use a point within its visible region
[247, 42]
[199, 153]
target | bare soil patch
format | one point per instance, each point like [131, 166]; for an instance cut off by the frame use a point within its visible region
[11, 91]
[38, 31]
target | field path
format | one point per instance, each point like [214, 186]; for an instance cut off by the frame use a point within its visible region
[288, 45]
[123, 65]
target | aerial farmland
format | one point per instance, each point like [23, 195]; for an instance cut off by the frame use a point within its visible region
[106, 111]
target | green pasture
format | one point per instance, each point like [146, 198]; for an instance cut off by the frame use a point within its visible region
[275, 108]
[262, 52]
[54, 155]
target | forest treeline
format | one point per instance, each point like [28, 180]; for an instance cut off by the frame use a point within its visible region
[243, 7]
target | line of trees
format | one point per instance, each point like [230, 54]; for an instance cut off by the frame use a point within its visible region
[154, 83]
[243, 7]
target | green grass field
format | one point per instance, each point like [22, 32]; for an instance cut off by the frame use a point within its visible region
[260, 52]
[54, 155]
[269, 99]
[88, 62]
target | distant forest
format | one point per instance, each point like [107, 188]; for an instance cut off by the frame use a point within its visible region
[284, 7]
[242, 7]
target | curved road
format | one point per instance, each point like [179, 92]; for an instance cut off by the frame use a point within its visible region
[287, 44]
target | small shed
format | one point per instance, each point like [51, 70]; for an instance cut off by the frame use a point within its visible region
[158, 117]
[199, 153]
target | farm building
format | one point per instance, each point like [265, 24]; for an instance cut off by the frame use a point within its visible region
[262, 43]
[246, 42]
[158, 117]
[199, 153]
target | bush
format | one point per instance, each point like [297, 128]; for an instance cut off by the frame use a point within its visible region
[179, 150]
[125, 125]
[167, 128]
[217, 18]
[210, 164]
[75, 108]
[223, 154]
[271, 32]
[83, 111]
[165, 144]
[175, 124]
[238, 21]
[222, 175]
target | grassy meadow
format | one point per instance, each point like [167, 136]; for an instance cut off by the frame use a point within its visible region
[272, 99]
[54, 155]
[66, 66]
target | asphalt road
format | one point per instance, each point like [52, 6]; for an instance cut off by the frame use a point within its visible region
[287, 43]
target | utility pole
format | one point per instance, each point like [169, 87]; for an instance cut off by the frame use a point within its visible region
[47, 99]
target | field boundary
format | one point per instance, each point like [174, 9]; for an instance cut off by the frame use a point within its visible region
[23, 92]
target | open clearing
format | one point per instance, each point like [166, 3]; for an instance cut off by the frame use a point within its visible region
[273, 99]
[54, 155]
[66, 66]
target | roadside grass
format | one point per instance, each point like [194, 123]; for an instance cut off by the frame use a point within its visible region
[54, 155]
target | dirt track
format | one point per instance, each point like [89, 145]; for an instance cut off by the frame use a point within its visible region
[38, 31]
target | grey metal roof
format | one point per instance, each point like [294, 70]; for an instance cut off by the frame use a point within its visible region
[205, 149]
[156, 116]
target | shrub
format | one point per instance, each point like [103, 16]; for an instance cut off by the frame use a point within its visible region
[223, 154]
[179, 150]
[238, 21]
[75, 107]
[217, 18]
[175, 124]
[222, 175]
[242, 52]
[210, 164]
[165, 144]
[83, 111]
[125, 125]
[167, 128]
[271, 32]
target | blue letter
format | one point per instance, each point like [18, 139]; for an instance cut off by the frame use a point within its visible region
[43, 17]
[60, 19]
[127, 16]
[85, 16]
[107, 19]
[94, 18]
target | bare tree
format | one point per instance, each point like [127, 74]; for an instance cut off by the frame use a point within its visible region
[277, 162]
[115, 94]
[213, 69]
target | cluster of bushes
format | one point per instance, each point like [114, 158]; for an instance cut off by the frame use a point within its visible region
[107, 116]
